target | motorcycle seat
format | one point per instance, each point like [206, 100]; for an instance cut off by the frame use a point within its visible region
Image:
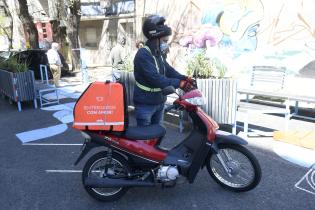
[145, 132]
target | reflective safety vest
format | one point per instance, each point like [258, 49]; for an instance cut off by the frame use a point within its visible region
[145, 88]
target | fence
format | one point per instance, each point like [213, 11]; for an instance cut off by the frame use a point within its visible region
[221, 99]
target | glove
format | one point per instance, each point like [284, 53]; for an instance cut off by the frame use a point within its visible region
[192, 81]
[185, 86]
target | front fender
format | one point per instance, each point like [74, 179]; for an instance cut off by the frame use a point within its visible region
[222, 137]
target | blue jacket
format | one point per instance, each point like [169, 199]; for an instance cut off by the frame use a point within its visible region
[147, 74]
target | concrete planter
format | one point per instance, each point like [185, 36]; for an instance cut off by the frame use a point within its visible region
[220, 95]
[18, 87]
[128, 79]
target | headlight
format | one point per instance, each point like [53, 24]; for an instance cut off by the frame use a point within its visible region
[199, 101]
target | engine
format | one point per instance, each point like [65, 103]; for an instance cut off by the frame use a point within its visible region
[167, 173]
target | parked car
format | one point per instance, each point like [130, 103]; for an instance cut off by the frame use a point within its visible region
[34, 58]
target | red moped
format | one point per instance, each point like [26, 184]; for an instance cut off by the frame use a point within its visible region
[134, 158]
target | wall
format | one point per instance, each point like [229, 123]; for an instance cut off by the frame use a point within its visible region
[107, 32]
[243, 33]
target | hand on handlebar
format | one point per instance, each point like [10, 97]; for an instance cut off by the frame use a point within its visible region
[188, 84]
[192, 81]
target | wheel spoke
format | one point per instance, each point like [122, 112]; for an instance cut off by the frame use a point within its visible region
[232, 168]
[226, 154]
[113, 168]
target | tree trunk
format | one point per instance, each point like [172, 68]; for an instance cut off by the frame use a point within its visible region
[9, 33]
[67, 24]
[73, 33]
[59, 31]
[28, 24]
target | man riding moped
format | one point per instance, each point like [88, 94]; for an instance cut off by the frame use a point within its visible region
[132, 156]
[153, 73]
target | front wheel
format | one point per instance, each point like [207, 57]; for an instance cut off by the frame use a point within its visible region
[234, 167]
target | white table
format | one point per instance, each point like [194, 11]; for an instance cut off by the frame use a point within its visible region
[279, 94]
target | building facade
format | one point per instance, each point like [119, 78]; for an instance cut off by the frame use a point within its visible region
[238, 32]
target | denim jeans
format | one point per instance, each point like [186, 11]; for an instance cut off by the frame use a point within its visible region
[149, 114]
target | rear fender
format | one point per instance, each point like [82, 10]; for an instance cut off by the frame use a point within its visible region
[91, 141]
[87, 146]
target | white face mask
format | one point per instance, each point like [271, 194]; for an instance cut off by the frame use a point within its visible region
[163, 47]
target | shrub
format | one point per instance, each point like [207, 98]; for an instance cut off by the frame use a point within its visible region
[13, 65]
[219, 67]
[199, 65]
[204, 67]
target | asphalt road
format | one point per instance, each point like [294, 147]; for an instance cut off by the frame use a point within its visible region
[26, 184]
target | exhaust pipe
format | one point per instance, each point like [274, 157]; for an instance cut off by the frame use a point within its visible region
[97, 182]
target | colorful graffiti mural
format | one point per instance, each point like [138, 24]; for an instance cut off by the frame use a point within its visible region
[228, 24]
[269, 32]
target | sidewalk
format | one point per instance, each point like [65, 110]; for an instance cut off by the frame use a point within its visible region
[291, 152]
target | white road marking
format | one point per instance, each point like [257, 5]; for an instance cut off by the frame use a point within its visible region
[64, 116]
[41, 133]
[63, 171]
[75, 95]
[307, 182]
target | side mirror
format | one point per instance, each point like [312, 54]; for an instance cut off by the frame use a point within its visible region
[168, 90]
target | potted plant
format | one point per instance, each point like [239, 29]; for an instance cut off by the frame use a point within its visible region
[17, 82]
[219, 90]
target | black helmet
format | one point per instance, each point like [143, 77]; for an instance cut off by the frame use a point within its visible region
[153, 27]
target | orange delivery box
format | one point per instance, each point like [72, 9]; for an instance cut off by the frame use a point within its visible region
[101, 107]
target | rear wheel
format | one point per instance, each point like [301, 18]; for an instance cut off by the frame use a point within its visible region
[234, 167]
[99, 165]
